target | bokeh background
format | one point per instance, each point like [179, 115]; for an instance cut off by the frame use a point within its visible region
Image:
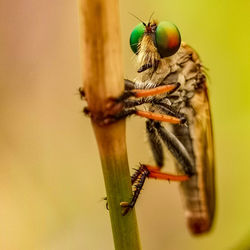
[51, 183]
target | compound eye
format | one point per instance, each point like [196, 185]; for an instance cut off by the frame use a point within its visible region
[168, 39]
[136, 36]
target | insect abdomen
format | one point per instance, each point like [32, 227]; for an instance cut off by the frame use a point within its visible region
[197, 214]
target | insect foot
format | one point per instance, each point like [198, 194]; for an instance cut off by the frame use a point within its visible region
[86, 111]
[107, 204]
[81, 92]
[126, 207]
[112, 112]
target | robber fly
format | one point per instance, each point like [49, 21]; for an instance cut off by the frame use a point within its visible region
[171, 85]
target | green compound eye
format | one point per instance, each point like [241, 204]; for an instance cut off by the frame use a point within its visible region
[168, 39]
[136, 36]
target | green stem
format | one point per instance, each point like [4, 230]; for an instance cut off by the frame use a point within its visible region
[113, 154]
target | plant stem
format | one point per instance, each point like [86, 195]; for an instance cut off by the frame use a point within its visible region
[102, 79]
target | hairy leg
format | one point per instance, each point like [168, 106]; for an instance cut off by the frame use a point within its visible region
[155, 143]
[176, 148]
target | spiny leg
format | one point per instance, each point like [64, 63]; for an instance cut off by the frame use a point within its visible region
[147, 170]
[143, 173]
[134, 178]
[150, 172]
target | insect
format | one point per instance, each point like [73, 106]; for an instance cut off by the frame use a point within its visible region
[171, 86]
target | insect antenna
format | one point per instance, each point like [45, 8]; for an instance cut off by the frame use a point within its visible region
[138, 18]
[151, 17]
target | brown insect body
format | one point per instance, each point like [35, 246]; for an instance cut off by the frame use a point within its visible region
[190, 99]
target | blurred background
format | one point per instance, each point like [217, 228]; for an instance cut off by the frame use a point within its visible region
[51, 183]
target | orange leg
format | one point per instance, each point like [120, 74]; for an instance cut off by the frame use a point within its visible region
[159, 117]
[154, 91]
[154, 172]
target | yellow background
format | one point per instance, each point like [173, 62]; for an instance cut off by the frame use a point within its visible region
[51, 183]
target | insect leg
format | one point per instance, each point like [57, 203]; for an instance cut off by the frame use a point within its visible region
[155, 91]
[143, 173]
[147, 114]
[160, 117]
[131, 91]
[166, 108]
[129, 103]
[137, 174]
[155, 143]
[151, 172]
[156, 147]
[81, 92]
[156, 102]
[154, 172]
[176, 148]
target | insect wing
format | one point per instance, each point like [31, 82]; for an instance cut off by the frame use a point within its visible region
[200, 216]
[199, 191]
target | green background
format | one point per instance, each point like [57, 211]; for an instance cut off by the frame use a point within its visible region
[51, 184]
